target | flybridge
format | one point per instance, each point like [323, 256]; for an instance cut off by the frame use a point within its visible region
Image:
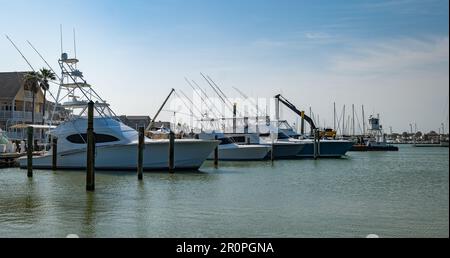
[74, 93]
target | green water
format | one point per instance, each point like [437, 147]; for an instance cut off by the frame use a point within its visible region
[391, 194]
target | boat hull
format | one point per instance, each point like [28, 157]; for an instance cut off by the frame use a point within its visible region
[124, 157]
[242, 153]
[363, 147]
[333, 149]
[287, 150]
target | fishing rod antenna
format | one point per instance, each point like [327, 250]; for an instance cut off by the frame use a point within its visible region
[20, 52]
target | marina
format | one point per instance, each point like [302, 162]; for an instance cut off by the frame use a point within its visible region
[237, 119]
[92, 136]
[214, 181]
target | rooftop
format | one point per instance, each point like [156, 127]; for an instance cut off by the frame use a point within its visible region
[10, 84]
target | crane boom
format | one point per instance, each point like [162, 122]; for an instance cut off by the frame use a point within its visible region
[292, 107]
[149, 127]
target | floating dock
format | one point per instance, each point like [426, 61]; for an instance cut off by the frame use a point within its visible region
[431, 145]
[10, 159]
[363, 147]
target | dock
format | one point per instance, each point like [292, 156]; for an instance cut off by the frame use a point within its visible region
[9, 159]
[425, 145]
[363, 147]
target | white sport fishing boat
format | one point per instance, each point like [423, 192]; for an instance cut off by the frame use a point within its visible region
[331, 148]
[116, 144]
[231, 151]
[282, 149]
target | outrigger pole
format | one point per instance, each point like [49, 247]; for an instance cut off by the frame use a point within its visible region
[223, 94]
[215, 90]
[48, 65]
[18, 50]
[198, 109]
[206, 95]
[247, 98]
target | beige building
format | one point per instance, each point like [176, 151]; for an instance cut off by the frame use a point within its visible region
[16, 102]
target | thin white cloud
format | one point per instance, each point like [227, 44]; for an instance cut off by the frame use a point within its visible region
[390, 3]
[298, 40]
[397, 55]
[271, 43]
[317, 35]
[405, 7]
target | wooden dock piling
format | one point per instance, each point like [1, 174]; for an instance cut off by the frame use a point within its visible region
[90, 161]
[315, 144]
[318, 143]
[30, 152]
[216, 154]
[245, 125]
[54, 153]
[140, 168]
[272, 150]
[272, 155]
[302, 128]
[171, 152]
[234, 117]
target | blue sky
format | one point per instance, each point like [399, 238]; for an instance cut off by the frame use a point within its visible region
[392, 56]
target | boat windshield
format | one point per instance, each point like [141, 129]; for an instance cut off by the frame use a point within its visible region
[99, 138]
[226, 140]
[281, 135]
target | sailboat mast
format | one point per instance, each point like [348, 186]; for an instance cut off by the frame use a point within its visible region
[348, 125]
[257, 114]
[343, 121]
[353, 119]
[364, 121]
[334, 116]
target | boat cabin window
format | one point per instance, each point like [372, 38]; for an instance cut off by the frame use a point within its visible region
[224, 141]
[99, 138]
[281, 135]
[239, 139]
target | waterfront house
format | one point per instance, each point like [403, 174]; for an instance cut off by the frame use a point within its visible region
[16, 102]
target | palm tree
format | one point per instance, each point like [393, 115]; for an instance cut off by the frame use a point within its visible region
[45, 75]
[32, 81]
